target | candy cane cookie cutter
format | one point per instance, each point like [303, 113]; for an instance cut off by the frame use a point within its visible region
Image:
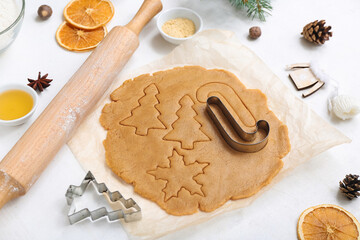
[249, 137]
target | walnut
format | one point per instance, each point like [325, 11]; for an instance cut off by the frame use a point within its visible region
[254, 32]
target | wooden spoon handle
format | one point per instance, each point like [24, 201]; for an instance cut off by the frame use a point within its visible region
[146, 12]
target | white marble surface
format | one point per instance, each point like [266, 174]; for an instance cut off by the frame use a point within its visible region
[41, 213]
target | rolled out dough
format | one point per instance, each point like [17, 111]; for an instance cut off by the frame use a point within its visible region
[161, 140]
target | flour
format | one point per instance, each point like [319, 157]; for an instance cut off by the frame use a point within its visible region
[6, 179]
[6, 185]
[9, 11]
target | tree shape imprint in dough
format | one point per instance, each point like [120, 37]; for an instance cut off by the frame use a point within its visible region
[179, 175]
[186, 129]
[145, 116]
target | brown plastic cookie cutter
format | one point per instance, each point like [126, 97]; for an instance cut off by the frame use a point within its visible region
[246, 136]
[129, 210]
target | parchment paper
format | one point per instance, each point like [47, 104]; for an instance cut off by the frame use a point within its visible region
[309, 134]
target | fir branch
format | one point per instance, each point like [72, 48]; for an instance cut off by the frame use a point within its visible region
[254, 8]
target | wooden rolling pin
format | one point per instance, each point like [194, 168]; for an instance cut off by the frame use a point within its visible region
[23, 165]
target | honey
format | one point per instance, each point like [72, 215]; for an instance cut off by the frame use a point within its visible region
[15, 104]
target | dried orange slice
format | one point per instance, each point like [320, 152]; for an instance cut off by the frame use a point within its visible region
[89, 14]
[327, 222]
[75, 39]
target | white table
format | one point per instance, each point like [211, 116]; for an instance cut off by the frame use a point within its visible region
[41, 213]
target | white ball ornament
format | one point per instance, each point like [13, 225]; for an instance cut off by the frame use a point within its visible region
[345, 107]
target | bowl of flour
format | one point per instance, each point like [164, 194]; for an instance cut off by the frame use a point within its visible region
[11, 17]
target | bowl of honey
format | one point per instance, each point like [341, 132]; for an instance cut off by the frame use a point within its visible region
[17, 104]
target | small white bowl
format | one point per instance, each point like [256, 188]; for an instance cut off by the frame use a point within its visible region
[25, 118]
[178, 13]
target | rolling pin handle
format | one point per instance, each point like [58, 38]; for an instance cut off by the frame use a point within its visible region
[147, 11]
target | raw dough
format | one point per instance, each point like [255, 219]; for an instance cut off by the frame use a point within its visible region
[161, 140]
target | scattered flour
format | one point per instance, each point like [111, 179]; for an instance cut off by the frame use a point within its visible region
[9, 11]
[6, 180]
[70, 116]
[4, 184]
[33, 180]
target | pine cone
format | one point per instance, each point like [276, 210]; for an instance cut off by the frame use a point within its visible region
[350, 186]
[316, 32]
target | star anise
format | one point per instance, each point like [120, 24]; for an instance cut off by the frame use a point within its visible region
[40, 83]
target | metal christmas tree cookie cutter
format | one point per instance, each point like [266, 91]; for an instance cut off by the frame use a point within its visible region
[246, 136]
[130, 210]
